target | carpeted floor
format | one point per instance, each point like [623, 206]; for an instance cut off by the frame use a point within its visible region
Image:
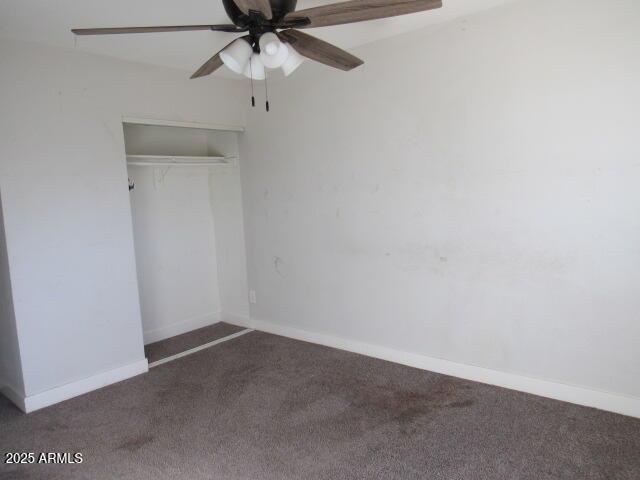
[266, 407]
[180, 343]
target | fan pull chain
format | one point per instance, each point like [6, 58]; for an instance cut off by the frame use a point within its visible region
[253, 98]
[266, 91]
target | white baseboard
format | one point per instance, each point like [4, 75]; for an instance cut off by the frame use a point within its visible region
[178, 328]
[611, 402]
[80, 387]
[13, 395]
[235, 319]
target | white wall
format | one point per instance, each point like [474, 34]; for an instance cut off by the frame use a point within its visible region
[470, 194]
[225, 190]
[10, 366]
[67, 217]
[226, 203]
[175, 250]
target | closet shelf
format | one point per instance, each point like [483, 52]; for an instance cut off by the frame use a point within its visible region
[180, 161]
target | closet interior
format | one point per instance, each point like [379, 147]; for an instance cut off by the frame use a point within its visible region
[186, 205]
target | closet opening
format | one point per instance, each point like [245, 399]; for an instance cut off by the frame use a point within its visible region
[186, 206]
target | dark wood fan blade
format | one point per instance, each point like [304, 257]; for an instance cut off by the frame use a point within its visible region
[359, 11]
[212, 64]
[177, 28]
[319, 50]
[209, 67]
[262, 6]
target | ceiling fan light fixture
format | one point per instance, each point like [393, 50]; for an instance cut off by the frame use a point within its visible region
[254, 68]
[276, 29]
[269, 42]
[293, 62]
[236, 56]
[271, 48]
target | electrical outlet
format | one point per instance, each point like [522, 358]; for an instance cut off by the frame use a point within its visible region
[252, 296]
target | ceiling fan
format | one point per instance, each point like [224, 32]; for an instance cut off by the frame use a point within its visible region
[274, 39]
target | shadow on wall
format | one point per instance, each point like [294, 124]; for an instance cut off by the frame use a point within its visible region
[11, 380]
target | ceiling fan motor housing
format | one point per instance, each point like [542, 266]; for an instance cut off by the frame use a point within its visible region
[279, 8]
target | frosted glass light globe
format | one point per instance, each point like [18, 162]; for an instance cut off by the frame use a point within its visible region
[269, 43]
[236, 56]
[273, 52]
[271, 48]
[293, 62]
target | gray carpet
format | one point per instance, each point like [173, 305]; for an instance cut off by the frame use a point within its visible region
[267, 407]
[181, 343]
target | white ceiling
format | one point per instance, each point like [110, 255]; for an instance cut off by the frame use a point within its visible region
[49, 21]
